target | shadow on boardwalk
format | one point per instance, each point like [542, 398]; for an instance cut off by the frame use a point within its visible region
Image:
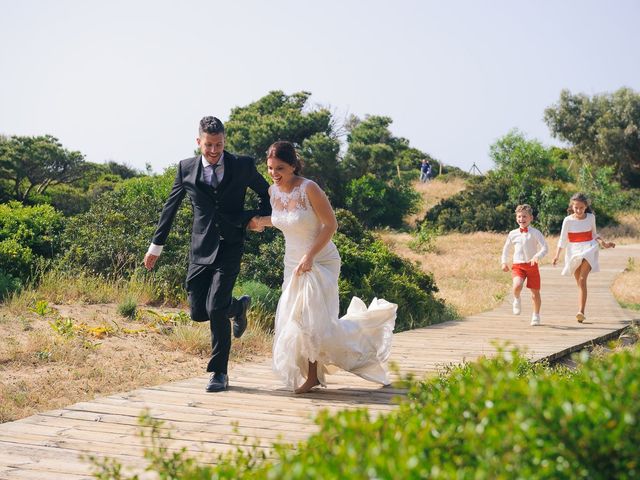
[49, 445]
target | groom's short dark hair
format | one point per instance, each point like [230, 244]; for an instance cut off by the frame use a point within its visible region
[211, 125]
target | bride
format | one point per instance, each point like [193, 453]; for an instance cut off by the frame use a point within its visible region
[310, 340]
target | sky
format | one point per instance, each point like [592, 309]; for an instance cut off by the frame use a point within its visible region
[128, 80]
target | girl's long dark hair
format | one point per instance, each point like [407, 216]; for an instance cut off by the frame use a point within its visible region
[579, 197]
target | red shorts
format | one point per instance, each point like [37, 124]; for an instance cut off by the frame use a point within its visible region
[528, 272]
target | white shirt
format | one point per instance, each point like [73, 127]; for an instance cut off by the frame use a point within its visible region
[157, 249]
[525, 246]
[207, 171]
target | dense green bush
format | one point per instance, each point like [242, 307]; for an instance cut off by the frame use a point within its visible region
[500, 418]
[370, 269]
[263, 259]
[483, 206]
[27, 233]
[113, 236]
[381, 202]
[8, 284]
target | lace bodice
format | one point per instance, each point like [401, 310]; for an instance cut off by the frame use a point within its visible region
[294, 216]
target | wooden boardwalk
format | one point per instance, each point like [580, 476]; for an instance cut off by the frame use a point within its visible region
[50, 444]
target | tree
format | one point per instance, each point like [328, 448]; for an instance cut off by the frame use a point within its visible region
[372, 148]
[603, 129]
[276, 116]
[32, 164]
[519, 158]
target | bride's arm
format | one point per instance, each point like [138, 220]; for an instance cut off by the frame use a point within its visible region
[322, 208]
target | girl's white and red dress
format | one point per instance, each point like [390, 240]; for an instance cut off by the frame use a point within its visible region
[578, 236]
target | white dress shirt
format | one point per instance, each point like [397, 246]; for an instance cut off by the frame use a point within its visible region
[207, 171]
[527, 245]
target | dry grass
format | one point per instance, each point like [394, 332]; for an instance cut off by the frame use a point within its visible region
[104, 353]
[626, 287]
[466, 268]
[432, 193]
[627, 231]
[62, 288]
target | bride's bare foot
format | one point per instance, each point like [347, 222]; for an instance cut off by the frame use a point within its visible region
[307, 386]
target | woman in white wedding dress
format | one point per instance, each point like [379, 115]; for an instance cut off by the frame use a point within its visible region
[310, 340]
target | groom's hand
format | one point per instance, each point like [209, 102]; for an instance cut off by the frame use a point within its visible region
[150, 260]
[254, 225]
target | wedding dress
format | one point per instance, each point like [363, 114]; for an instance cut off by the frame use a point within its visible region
[307, 327]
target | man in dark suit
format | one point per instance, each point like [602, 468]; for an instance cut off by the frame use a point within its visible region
[216, 183]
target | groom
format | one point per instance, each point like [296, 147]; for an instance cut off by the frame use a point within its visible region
[216, 183]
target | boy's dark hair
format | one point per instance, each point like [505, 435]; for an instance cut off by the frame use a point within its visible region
[211, 125]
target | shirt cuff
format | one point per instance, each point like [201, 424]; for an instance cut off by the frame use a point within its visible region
[155, 249]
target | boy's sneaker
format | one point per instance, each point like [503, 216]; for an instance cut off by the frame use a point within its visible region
[516, 306]
[580, 317]
[535, 319]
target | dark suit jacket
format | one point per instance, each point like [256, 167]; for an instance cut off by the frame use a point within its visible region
[217, 212]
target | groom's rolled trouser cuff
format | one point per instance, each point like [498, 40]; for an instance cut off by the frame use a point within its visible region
[155, 249]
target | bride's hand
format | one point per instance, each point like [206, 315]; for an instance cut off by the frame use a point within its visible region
[306, 262]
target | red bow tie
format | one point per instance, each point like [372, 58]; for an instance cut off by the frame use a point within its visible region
[524, 230]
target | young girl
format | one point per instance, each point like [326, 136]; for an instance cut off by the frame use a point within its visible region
[581, 240]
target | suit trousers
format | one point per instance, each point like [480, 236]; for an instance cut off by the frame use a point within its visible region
[210, 289]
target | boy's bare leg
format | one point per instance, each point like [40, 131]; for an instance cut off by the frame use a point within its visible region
[537, 300]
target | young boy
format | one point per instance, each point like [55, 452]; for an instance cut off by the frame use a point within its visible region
[529, 247]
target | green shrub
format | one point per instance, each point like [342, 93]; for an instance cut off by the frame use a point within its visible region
[34, 227]
[500, 418]
[260, 294]
[124, 220]
[378, 202]
[8, 284]
[483, 206]
[15, 259]
[370, 269]
[27, 235]
[128, 307]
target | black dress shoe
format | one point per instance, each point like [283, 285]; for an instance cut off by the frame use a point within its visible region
[218, 382]
[240, 320]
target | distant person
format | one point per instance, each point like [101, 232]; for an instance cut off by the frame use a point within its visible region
[216, 182]
[529, 247]
[310, 339]
[581, 240]
[425, 170]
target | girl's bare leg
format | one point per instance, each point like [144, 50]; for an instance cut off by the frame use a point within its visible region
[312, 379]
[581, 274]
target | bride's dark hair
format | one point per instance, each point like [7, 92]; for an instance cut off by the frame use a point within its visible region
[285, 151]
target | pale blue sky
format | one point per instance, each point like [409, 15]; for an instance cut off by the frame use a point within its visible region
[128, 80]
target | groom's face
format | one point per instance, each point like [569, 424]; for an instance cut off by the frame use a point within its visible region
[211, 146]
